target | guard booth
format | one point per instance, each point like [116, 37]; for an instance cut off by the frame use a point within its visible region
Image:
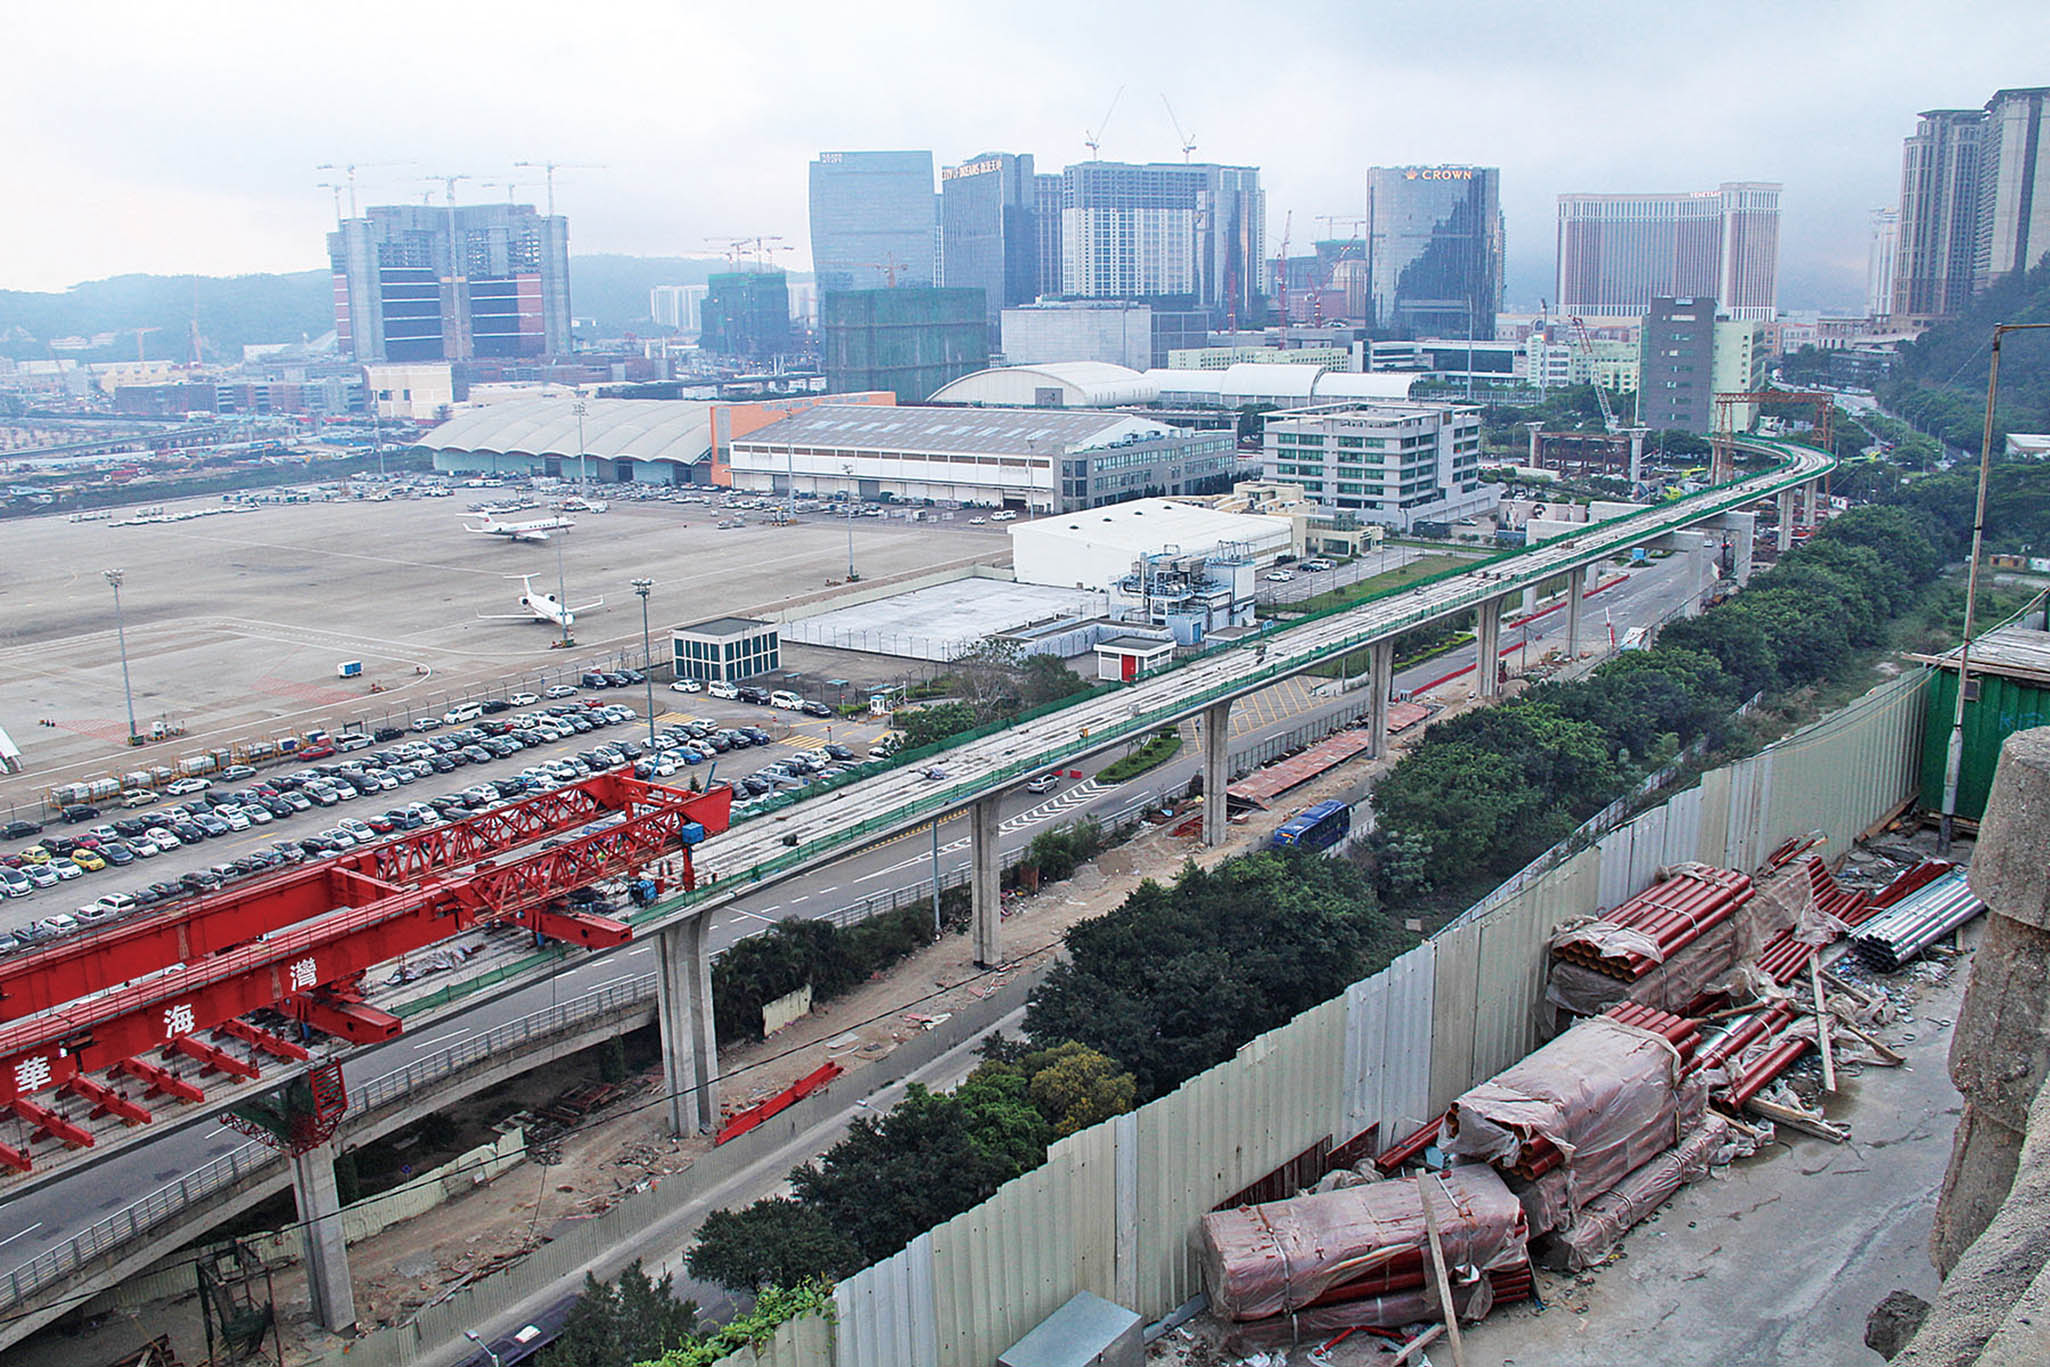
[1129, 657]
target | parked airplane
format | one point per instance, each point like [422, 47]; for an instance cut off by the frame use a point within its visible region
[535, 529]
[541, 607]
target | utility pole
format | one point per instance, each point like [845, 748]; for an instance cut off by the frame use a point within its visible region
[113, 577]
[848, 470]
[580, 408]
[641, 587]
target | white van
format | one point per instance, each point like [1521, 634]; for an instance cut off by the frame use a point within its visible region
[462, 712]
[788, 701]
[723, 690]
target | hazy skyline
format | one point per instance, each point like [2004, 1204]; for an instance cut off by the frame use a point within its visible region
[185, 141]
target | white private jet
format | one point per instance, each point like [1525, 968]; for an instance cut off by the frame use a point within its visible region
[534, 529]
[541, 607]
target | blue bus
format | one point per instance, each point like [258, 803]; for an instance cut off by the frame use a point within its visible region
[1314, 828]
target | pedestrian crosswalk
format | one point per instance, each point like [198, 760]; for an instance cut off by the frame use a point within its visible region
[1081, 795]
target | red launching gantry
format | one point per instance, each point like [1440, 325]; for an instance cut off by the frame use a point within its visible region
[298, 940]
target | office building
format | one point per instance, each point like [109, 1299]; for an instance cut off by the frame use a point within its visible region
[1676, 372]
[1387, 462]
[1616, 253]
[1182, 231]
[1939, 215]
[1738, 364]
[1434, 244]
[746, 315]
[414, 282]
[1880, 260]
[726, 650]
[2013, 229]
[677, 306]
[1139, 336]
[910, 342]
[1033, 458]
[873, 220]
[1046, 223]
[988, 237]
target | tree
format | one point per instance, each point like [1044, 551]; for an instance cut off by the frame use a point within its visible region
[774, 1242]
[1078, 1087]
[611, 1325]
[1045, 679]
[934, 722]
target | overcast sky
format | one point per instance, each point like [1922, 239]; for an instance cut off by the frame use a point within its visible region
[175, 138]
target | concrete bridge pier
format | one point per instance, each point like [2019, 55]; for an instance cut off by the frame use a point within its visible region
[1811, 501]
[986, 880]
[327, 1253]
[1784, 537]
[1578, 581]
[1740, 533]
[690, 1045]
[1380, 683]
[1216, 771]
[1487, 681]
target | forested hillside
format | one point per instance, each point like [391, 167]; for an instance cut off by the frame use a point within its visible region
[1940, 382]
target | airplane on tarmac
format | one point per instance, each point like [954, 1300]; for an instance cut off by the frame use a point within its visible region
[541, 607]
[534, 529]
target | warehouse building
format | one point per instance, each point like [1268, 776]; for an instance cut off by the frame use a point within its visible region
[1068, 384]
[1034, 459]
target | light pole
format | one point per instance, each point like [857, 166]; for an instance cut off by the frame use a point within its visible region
[580, 408]
[641, 587]
[471, 1335]
[848, 470]
[562, 594]
[121, 633]
[1954, 759]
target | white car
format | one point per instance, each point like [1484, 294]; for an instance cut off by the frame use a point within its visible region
[163, 839]
[686, 686]
[185, 787]
[237, 819]
[1045, 783]
[1007, 515]
[66, 870]
[723, 690]
[561, 691]
[434, 723]
[144, 847]
[1280, 576]
[523, 700]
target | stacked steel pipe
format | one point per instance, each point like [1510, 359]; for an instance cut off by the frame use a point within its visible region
[1919, 920]
[1672, 914]
[1784, 958]
[1682, 1032]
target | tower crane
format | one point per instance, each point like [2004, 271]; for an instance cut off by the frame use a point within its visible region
[335, 186]
[759, 246]
[1355, 222]
[448, 183]
[1281, 284]
[349, 170]
[548, 170]
[1094, 140]
[889, 269]
[1187, 140]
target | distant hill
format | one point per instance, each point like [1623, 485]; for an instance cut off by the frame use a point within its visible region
[1939, 383]
[241, 310]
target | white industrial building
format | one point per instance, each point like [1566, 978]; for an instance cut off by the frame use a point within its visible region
[1095, 384]
[1392, 463]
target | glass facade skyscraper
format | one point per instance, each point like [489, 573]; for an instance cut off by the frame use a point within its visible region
[988, 232]
[873, 220]
[1434, 250]
[415, 282]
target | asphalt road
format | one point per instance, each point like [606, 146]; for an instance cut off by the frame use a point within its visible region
[49, 1215]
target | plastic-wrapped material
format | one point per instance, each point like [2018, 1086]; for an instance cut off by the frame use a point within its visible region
[1603, 1097]
[1603, 1220]
[1355, 1243]
[1470, 1302]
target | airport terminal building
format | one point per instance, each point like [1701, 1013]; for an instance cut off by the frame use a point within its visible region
[1033, 459]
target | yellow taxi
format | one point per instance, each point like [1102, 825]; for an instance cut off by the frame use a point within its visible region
[87, 859]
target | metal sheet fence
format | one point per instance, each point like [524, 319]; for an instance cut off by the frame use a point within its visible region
[1393, 1050]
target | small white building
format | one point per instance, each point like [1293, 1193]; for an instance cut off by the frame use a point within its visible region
[1128, 657]
[1096, 547]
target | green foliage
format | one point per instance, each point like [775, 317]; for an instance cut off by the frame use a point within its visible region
[774, 1242]
[793, 952]
[1076, 1087]
[1159, 748]
[1180, 975]
[613, 1324]
[1939, 381]
[934, 722]
[772, 1309]
[1057, 853]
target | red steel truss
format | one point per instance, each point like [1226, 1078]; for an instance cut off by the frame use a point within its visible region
[297, 941]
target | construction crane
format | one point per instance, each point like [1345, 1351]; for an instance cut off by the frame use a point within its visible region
[448, 183]
[1281, 284]
[509, 186]
[548, 170]
[1601, 394]
[759, 246]
[1187, 140]
[335, 186]
[1093, 140]
[1332, 223]
[888, 268]
[349, 170]
[140, 333]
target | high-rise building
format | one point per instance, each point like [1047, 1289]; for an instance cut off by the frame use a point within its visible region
[2013, 229]
[1616, 253]
[912, 342]
[1939, 215]
[1434, 250]
[746, 315]
[1676, 369]
[677, 306]
[415, 282]
[1167, 230]
[1046, 222]
[988, 238]
[873, 220]
[1880, 260]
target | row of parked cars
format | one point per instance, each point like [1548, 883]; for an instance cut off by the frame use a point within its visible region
[761, 697]
[216, 811]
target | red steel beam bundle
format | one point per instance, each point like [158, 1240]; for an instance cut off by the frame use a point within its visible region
[1673, 914]
[321, 927]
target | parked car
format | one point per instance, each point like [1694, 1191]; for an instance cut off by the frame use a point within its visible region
[184, 787]
[80, 811]
[19, 830]
[812, 707]
[561, 691]
[686, 686]
[523, 700]
[722, 689]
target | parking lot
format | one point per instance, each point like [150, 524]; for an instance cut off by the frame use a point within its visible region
[241, 824]
[236, 626]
